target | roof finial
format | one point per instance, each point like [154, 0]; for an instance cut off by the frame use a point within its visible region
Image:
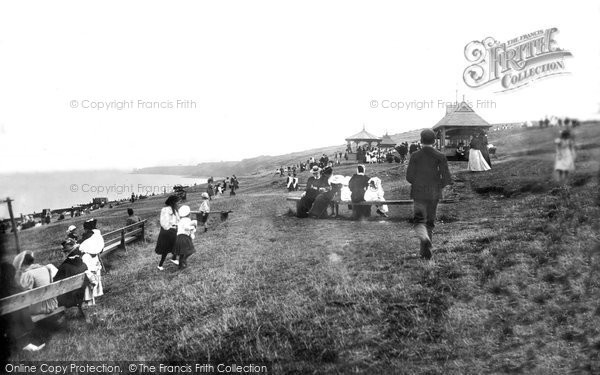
[463, 97]
[363, 126]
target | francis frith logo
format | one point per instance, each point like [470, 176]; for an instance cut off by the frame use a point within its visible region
[514, 63]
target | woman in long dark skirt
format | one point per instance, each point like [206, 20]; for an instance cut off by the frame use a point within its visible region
[169, 218]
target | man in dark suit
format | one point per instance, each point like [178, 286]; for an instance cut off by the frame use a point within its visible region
[427, 173]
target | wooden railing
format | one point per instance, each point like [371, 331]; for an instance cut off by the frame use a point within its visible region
[27, 298]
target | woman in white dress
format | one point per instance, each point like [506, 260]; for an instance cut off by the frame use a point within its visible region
[92, 244]
[564, 161]
[477, 162]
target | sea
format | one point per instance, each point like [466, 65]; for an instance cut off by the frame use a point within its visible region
[33, 192]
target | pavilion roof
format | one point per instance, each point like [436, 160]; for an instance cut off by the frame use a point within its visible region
[461, 116]
[363, 136]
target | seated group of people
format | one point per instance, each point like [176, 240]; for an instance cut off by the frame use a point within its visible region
[25, 274]
[322, 187]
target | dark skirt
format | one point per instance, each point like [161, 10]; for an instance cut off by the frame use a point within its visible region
[320, 205]
[184, 245]
[166, 241]
[304, 205]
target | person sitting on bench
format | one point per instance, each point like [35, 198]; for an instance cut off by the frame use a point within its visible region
[358, 184]
[71, 266]
[131, 218]
[30, 275]
[345, 193]
[15, 326]
[326, 195]
[375, 193]
[314, 186]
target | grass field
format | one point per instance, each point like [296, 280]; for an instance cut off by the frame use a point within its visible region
[513, 286]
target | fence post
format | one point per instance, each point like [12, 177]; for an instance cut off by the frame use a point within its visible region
[123, 239]
[12, 222]
[144, 231]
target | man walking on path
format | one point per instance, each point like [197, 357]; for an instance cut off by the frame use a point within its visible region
[427, 173]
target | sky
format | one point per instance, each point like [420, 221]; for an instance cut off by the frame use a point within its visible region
[210, 81]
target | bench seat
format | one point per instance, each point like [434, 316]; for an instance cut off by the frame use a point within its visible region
[335, 204]
[392, 202]
[36, 318]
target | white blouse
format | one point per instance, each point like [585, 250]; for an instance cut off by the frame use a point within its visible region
[168, 219]
[204, 207]
[187, 226]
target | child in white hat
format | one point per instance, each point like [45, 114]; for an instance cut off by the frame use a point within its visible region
[204, 210]
[184, 247]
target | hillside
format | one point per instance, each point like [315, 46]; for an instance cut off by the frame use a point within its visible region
[512, 288]
[259, 164]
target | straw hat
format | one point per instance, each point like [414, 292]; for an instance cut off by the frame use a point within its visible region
[205, 195]
[71, 228]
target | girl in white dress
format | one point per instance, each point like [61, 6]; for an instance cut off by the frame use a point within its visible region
[375, 193]
[184, 247]
[564, 161]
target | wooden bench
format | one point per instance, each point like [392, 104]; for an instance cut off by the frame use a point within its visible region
[335, 204]
[122, 236]
[27, 298]
[224, 215]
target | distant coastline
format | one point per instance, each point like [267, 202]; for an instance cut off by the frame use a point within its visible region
[33, 192]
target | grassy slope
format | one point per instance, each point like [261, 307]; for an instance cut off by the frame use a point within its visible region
[513, 287]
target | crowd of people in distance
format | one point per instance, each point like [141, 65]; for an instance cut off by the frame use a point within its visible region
[373, 155]
[216, 189]
[321, 162]
[554, 121]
